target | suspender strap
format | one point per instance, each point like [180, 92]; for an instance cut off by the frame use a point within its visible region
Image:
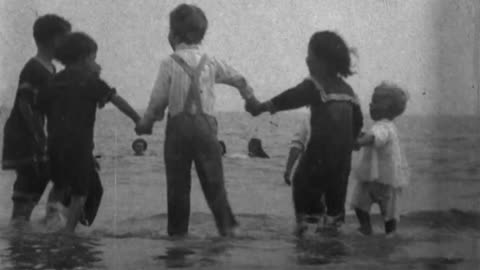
[193, 95]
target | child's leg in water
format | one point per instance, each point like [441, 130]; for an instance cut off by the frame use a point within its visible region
[364, 220]
[209, 167]
[55, 201]
[75, 212]
[390, 226]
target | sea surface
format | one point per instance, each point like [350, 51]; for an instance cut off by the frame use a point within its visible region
[440, 228]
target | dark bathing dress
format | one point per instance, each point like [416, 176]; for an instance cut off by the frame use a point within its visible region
[336, 121]
[71, 103]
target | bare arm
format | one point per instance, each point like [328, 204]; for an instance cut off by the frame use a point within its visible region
[301, 95]
[125, 108]
[292, 157]
[365, 140]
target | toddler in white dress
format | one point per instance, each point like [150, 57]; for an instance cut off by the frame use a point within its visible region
[383, 172]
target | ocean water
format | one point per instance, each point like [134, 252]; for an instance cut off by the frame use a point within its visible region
[440, 228]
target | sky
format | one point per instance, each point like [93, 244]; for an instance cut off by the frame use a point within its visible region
[429, 47]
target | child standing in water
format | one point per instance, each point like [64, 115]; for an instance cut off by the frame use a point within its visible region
[25, 142]
[185, 84]
[72, 100]
[383, 171]
[336, 121]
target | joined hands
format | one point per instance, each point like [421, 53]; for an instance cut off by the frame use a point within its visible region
[143, 128]
[255, 107]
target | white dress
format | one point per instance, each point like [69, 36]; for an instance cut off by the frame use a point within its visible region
[382, 172]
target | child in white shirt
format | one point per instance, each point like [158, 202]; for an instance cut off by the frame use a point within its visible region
[383, 171]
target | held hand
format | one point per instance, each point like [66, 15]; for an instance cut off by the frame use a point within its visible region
[254, 107]
[362, 140]
[286, 178]
[143, 128]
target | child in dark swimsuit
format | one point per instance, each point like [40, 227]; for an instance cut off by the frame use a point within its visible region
[336, 121]
[25, 142]
[73, 98]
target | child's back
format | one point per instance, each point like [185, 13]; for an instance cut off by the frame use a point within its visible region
[71, 102]
[75, 96]
[336, 120]
[185, 85]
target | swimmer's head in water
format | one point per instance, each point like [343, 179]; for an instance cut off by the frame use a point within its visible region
[255, 148]
[139, 146]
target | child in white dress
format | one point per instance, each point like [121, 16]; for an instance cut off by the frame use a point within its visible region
[382, 173]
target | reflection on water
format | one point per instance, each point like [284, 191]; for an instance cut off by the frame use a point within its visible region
[320, 251]
[262, 243]
[187, 253]
[177, 257]
[28, 250]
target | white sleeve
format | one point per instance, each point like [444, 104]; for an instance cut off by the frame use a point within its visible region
[225, 74]
[160, 94]
[381, 134]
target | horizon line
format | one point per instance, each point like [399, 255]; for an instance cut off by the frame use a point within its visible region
[3, 107]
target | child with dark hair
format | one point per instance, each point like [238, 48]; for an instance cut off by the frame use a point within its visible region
[382, 173]
[71, 103]
[185, 84]
[25, 144]
[336, 120]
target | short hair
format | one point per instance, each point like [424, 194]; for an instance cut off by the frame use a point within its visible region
[142, 141]
[188, 23]
[331, 48]
[48, 27]
[397, 97]
[75, 47]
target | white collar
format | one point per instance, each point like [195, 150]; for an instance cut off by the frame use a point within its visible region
[47, 65]
[184, 46]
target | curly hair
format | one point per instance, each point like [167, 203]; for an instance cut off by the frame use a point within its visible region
[396, 96]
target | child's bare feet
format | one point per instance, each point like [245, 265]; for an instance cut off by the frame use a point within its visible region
[300, 228]
[65, 231]
[392, 235]
[365, 230]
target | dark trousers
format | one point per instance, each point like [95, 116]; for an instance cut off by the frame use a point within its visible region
[307, 198]
[314, 180]
[193, 139]
[29, 185]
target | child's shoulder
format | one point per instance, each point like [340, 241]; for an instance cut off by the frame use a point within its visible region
[309, 83]
[383, 126]
[341, 87]
[33, 68]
